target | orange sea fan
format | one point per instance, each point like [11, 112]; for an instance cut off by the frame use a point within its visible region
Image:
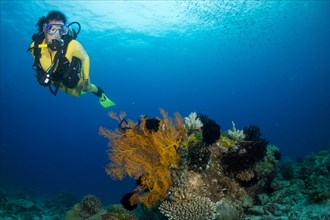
[145, 155]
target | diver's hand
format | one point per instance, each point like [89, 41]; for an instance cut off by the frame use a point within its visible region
[85, 85]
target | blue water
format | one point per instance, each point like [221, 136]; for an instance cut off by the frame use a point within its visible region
[262, 63]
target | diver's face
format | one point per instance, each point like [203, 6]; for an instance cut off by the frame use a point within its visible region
[52, 31]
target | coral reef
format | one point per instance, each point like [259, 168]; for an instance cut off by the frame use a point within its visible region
[208, 171]
[180, 176]
[209, 175]
[301, 194]
[145, 155]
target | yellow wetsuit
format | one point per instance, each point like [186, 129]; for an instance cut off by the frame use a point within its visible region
[75, 49]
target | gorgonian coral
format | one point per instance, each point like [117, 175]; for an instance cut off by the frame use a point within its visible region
[146, 155]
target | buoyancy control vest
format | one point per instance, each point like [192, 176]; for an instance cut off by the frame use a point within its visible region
[61, 70]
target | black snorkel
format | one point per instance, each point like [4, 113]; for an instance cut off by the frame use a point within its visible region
[74, 32]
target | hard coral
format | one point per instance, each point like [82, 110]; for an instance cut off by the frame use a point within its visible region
[186, 205]
[146, 155]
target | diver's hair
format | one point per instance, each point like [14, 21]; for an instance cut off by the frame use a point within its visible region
[53, 15]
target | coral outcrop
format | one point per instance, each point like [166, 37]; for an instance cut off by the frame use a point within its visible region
[192, 173]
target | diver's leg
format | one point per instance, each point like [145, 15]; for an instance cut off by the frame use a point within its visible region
[103, 99]
[100, 92]
[96, 90]
[92, 88]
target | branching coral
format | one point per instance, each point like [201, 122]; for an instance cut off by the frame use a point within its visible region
[145, 155]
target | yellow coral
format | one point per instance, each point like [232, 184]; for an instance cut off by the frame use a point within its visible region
[191, 139]
[226, 142]
[145, 155]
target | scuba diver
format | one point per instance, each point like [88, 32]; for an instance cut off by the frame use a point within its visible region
[60, 61]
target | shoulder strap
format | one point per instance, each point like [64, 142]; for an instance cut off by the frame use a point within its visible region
[37, 39]
[67, 39]
[60, 58]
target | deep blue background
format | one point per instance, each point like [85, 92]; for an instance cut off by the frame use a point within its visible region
[262, 63]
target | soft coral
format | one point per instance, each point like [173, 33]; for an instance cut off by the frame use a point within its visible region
[146, 155]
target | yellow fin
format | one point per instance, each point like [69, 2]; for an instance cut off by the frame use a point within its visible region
[106, 102]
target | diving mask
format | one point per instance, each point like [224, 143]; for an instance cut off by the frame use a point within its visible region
[60, 28]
